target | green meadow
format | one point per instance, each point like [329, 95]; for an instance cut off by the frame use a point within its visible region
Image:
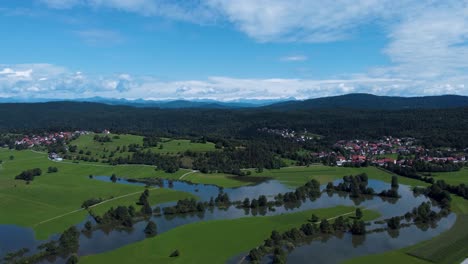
[57, 194]
[174, 146]
[214, 241]
[455, 177]
[167, 146]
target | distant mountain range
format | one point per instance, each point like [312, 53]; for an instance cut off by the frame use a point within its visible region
[348, 101]
[369, 101]
[201, 103]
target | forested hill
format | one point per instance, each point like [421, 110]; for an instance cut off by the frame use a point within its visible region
[439, 127]
[369, 101]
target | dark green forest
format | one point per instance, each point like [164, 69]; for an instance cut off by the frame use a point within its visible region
[435, 127]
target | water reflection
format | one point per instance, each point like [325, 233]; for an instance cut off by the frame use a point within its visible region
[324, 251]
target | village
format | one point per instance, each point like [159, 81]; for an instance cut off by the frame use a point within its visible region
[400, 151]
[51, 138]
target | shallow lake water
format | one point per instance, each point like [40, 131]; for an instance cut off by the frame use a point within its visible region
[13, 237]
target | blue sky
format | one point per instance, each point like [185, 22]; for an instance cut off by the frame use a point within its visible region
[227, 50]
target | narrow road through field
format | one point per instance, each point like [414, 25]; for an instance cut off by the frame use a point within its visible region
[186, 174]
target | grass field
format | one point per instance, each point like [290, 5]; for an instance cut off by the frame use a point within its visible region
[456, 177]
[174, 146]
[97, 149]
[450, 247]
[169, 146]
[55, 194]
[213, 241]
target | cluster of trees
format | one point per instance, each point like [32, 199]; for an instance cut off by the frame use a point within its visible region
[169, 164]
[52, 169]
[102, 139]
[408, 172]
[8, 140]
[151, 229]
[66, 245]
[90, 202]
[192, 206]
[185, 206]
[296, 236]
[28, 175]
[151, 141]
[310, 190]
[81, 157]
[355, 185]
[233, 160]
[145, 205]
[422, 166]
[424, 214]
[119, 216]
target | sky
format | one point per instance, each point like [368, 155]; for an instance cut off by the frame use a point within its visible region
[232, 49]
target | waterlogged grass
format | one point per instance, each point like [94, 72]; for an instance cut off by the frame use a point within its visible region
[213, 241]
[296, 176]
[220, 179]
[55, 194]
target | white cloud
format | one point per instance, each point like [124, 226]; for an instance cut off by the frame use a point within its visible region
[45, 80]
[427, 43]
[295, 58]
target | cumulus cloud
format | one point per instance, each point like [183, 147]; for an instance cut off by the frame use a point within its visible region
[50, 81]
[427, 45]
[46, 80]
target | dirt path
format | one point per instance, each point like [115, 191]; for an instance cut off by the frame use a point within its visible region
[186, 174]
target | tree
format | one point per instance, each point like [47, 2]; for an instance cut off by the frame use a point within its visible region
[358, 227]
[73, 259]
[52, 169]
[325, 227]
[113, 177]
[150, 229]
[176, 253]
[393, 223]
[358, 213]
[146, 209]
[314, 218]
[12, 157]
[246, 203]
[394, 181]
[69, 240]
[262, 201]
[88, 225]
